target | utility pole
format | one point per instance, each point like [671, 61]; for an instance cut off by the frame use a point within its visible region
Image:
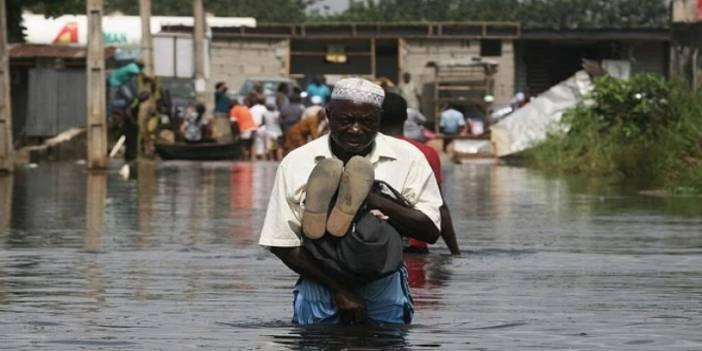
[95, 194]
[95, 66]
[6, 190]
[147, 44]
[6, 144]
[199, 43]
[147, 57]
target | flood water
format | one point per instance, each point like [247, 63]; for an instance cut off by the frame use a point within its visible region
[170, 262]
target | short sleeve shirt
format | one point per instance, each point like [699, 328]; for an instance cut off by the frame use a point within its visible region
[319, 90]
[257, 112]
[432, 157]
[452, 121]
[242, 115]
[395, 161]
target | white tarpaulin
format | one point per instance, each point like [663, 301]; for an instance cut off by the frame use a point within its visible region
[531, 124]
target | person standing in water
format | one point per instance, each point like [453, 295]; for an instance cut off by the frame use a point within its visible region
[392, 123]
[354, 117]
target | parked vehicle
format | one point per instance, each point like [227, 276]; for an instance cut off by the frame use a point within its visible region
[182, 94]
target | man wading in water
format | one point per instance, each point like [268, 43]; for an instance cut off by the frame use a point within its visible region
[306, 180]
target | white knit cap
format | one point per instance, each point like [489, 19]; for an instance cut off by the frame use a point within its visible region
[358, 90]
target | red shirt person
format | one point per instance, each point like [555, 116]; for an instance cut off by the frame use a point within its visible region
[435, 163]
[391, 123]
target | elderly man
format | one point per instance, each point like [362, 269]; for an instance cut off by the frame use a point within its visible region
[319, 297]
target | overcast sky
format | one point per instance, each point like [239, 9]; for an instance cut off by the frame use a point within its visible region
[334, 5]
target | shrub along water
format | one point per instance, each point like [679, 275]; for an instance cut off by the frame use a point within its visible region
[646, 129]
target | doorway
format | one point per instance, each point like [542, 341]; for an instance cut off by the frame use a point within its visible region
[387, 59]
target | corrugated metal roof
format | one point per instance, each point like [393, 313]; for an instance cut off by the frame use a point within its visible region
[643, 34]
[20, 51]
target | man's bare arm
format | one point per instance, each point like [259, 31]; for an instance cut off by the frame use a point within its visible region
[447, 231]
[408, 221]
[297, 259]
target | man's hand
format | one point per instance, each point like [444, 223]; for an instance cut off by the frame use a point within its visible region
[351, 307]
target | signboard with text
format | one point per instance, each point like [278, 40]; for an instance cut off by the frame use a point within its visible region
[117, 30]
[687, 11]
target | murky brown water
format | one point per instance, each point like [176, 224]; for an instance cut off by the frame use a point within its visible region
[170, 262]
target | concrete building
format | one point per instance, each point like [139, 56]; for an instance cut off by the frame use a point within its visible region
[42, 72]
[528, 61]
[686, 58]
[369, 50]
[546, 57]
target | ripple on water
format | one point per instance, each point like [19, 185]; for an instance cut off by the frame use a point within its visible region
[170, 261]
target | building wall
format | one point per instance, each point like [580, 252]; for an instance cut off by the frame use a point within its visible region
[235, 60]
[548, 62]
[504, 80]
[60, 109]
[649, 57]
[416, 53]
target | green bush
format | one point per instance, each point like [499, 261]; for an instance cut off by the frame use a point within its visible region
[646, 130]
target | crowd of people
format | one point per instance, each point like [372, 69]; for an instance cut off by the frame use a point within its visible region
[269, 127]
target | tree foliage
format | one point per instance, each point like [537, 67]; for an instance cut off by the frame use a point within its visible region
[556, 14]
[646, 129]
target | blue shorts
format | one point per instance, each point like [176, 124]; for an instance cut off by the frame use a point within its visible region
[388, 301]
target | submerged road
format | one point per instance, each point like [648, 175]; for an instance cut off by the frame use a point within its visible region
[170, 262]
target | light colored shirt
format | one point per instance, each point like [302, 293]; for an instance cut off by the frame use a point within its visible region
[451, 121]
[271, 120]
[413, 127]
[410, 92]
[257, 112]
[395, 161]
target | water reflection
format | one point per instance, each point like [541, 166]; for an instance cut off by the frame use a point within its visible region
[427, 274]
[550, 263]
[7, 182]
[96, 192]
[147, 188]
[241, 185]
[344, 338]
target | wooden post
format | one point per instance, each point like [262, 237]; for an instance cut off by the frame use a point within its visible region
[147, 189]
[6, 144]
[147, 57]
[147, 44]
[96, 193]
[6, 190]
[199, 52]
[95, 71]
